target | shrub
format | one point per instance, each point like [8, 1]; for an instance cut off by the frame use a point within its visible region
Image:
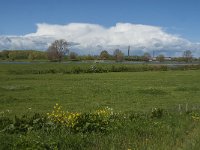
[157, 113]
[77, 70]
[25, 123]
[4, 122]
[98, 121]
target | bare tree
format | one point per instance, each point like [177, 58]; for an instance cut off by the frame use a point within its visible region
[57, 50]
[146, 56]
[73, 55]
[187, 55]
[118, 55]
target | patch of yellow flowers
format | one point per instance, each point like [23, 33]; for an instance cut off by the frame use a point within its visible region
[71, 119]
[195, 116]
[68, 119]
[106, 112]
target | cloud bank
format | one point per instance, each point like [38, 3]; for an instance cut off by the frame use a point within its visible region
[92, 38]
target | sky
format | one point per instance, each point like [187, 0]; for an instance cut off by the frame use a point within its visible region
[167, 26]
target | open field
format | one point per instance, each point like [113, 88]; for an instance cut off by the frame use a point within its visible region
[25, 90]
[81, 92]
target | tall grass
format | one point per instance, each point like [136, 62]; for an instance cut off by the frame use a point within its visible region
[52, 68]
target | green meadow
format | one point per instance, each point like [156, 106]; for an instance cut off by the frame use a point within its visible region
[132, 93]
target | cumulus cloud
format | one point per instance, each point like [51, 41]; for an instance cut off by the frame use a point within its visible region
[92, 38]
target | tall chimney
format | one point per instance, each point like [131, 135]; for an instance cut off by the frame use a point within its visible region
[129, 50]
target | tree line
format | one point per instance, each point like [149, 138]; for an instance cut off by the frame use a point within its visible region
[59, 48]
[59, 51]
[31, 55]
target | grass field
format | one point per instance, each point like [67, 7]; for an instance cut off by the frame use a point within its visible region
[82, 92]
[174, 91]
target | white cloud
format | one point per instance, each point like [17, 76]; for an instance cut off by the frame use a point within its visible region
[92, 38]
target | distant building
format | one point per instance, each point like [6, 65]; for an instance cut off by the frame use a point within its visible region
[168, 58]
[98, 61]
[155, 59]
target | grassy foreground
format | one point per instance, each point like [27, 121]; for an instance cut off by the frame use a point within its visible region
[132, 95]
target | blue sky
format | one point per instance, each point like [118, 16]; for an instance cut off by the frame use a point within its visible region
[176, 17]
[181, 17]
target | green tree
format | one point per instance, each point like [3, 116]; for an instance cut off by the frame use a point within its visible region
[4, 54]
[104, 55]
[57, 50]
[30, 57]
[160, 58]
[12, 55]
